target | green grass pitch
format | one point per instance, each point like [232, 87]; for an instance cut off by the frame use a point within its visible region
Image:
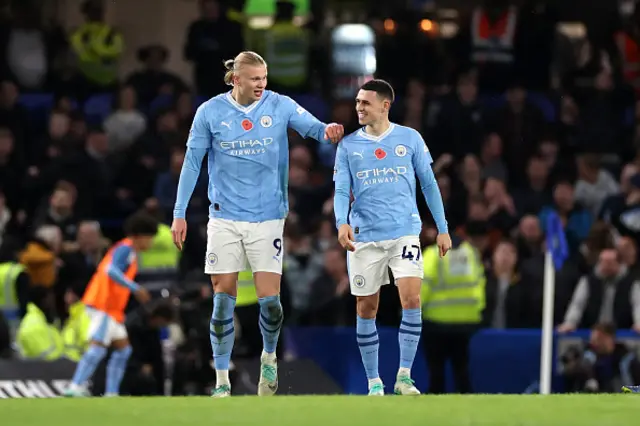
[453, 410]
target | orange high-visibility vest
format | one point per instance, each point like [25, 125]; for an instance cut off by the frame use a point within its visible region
[105, 295]
[493, 41]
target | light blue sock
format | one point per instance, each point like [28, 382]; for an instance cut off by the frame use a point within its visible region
[88, 364]
[367, 337]
[409, 336]
[270, 322]
[116, 367]
[221, 331]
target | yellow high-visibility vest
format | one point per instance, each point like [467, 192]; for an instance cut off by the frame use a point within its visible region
[286, 52]
[98, 47]
[453, 286]
[75, 333]
[9, 272]
[246, 289]
[158, 266]
[36, 338]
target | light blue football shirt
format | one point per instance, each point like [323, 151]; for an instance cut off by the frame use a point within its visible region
[381, 172]
[248, 155]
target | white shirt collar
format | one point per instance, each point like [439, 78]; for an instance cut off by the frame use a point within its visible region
[245, 109]
[386, 133]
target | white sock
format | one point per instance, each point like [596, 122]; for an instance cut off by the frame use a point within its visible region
[375, 381]
[222, 377]
[405, 372]
[268, 357]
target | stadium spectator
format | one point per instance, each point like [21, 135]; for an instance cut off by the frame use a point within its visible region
[507, 305]
[29, 51]
[82, 257]
[146, 367]
[126, 123]
[55, 143]
[623, 213]
[529, 238]
[40, 256]
[36, 337]
[576, 220]
[608, 294]
[98, 47]
[15, 118]
[602, 365]
[594, 184]
[60, 211]
[520, 124]
[535, 193]
[628, 252]
[210, 40]
[153, 80]
[491, 158]
[616, 201]
[458, 122]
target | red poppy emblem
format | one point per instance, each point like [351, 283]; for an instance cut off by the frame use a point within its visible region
[380, 154]
[247, 125]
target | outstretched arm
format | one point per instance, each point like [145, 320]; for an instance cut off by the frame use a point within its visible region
[308, 126]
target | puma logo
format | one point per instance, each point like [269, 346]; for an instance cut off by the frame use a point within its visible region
[228, 125]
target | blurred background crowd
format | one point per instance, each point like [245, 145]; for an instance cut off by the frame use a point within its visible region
[528, 107]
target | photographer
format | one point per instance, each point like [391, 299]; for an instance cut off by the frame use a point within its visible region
[603, 367]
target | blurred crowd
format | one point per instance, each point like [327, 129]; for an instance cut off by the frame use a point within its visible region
[529, 124]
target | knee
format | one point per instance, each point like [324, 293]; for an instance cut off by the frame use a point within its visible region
[224, 283]
[411, 301]
[271, 306]
[367, 307]
[223, 305]
[267, 284]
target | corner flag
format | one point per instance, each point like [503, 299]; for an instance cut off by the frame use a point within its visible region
[556, 240]
[557, 253]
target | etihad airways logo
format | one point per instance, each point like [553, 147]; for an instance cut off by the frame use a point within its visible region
[246, 147]
[381, 175]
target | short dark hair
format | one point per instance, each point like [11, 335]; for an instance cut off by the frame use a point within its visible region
[141, 225]
[381, 87]
[606, 328]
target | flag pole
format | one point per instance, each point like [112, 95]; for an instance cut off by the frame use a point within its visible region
[546, 352]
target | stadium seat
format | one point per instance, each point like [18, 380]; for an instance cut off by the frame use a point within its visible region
[38, 106]
[37, 101]
[98, 107]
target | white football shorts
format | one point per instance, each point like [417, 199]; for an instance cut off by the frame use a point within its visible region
[368, 265]
[232, 246]
[104, 329]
